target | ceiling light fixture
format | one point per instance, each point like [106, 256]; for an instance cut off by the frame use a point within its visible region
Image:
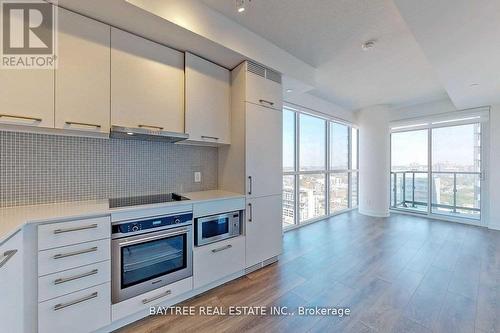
[240, 5]
[369, 44]
[289, 90]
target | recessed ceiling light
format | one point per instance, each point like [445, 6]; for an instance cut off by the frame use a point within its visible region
[130, 133]
[240, 5]
[289, 90]
[369, 44]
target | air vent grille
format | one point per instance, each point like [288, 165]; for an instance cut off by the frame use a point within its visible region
[273, 76]
[253, 268]
[256, 69]
[264, 72]
[270, 261]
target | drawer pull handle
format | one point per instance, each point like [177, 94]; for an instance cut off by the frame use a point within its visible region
[250, 215]
[249, 185]
[82, 124]
[264, 101]
[151, 126]
[222, 248]
[61, 231]
[20, 117]
[209, 137]
[76, 277]
[7, 256]
[154, 298]
[80, 300]
[71, 254]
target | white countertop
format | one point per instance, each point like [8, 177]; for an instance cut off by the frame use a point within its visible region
[12, 219]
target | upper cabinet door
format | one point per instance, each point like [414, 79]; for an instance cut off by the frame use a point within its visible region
[263, 86]
[208, 100]
[147, 84]
[27, 95]
[83, 74]
[264, 170]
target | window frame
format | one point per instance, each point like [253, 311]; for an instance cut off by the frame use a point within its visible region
[326, 172]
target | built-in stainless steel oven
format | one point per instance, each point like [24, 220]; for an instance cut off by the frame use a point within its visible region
[149, 253]
[213, 228]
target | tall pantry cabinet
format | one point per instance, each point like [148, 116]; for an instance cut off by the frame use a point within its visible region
[253, 163]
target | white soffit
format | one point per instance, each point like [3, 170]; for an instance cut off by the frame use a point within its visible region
[328, 35]
[202, 20]
[461, 39]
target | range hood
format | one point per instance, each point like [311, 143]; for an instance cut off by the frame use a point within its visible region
[141, 133]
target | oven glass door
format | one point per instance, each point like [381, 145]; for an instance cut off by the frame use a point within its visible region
[215, 227]
[150, 259]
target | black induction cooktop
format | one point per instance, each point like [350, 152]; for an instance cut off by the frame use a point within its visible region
[145, 200]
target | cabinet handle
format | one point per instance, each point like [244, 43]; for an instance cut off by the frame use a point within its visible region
[82, 124]
[228, 246]
[7, 256]
[250, 216]
[71, 254]
[267, 102]
[151, 126]
[21, 117]
[61, 231]
[76, 277]
[249, 184]
[209, 137]
[83, 299]
[154, 298]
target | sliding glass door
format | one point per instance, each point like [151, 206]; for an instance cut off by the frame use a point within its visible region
[437, 170]
[320, 162]
[456, 171]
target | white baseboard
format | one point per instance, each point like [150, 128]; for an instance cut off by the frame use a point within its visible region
[494, 227]
[374, 213]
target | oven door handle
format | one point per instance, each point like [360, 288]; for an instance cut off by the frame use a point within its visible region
[147, 239]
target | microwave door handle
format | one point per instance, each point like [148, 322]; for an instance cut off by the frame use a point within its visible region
[146, 239]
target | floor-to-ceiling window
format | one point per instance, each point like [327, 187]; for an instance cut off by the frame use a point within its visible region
[320, 168]
[436, 168]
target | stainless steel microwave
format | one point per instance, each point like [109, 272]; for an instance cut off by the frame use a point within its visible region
[214, 228]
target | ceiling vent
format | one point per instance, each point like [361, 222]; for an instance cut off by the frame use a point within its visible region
[264, 72]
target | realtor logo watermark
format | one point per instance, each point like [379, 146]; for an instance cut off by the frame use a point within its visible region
[28, 34]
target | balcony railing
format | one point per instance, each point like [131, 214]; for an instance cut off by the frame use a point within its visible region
[405, 184]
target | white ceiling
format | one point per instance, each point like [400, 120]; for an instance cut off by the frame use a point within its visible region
[328, 35]
[461, 39]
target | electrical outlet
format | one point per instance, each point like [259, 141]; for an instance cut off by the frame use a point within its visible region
[197, 177]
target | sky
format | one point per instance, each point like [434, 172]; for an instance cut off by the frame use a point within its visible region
[454, 144]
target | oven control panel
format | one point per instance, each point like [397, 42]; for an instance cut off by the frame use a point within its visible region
[151, 223]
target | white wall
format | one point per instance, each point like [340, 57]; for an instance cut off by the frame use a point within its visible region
[319, 105]
[493, 176]
[492, 215]
[374, 150]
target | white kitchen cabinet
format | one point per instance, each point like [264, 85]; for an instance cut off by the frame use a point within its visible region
[147, 84]
[263, 86]
[27, 97]
[263, 229]
[80, 312]
[263, 151]
[83, 74]
[208, 99]
[12, 284]
[215, 261]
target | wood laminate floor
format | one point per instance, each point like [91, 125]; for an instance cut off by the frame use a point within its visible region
[397, 274]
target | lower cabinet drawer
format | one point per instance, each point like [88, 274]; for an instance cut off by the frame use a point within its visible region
[67, 257]
[215, 261]
[66, 282]
[151, 298]
[81, 312]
